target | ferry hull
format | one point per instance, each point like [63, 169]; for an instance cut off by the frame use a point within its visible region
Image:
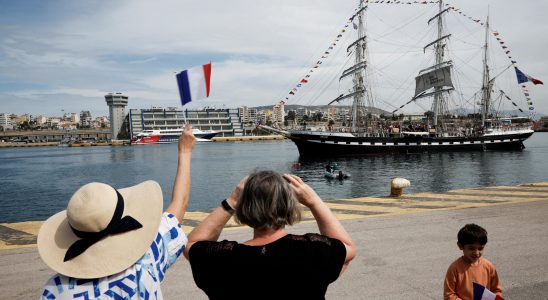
[170, 138]
[332, 145]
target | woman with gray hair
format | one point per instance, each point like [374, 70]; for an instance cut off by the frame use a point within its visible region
[273, 264]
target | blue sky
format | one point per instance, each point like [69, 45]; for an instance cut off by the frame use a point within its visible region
[66, 55]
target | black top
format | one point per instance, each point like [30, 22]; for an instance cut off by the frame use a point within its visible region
[292, 267]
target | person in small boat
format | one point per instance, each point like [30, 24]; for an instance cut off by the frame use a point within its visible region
[328, 168]
[273, 264]
[341, 175]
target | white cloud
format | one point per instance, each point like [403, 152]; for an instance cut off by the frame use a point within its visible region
[142, 61]
[261, 50]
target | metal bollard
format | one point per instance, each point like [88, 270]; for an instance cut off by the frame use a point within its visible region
[397, 185]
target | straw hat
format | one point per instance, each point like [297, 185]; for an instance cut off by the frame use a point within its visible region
[78, 243]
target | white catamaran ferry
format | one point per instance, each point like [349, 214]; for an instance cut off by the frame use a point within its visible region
[164, 136]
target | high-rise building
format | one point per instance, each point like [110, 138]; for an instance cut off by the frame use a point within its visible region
[85, 118]
[248, 114]
[116, 104]
[278, 113]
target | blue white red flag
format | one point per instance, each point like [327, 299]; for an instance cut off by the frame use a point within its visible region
[522, 77]
[194, 83]
[481, 293]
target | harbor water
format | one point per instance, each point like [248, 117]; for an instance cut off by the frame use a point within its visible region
[38, 182]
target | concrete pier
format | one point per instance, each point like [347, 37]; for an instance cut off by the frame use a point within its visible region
[404, 245]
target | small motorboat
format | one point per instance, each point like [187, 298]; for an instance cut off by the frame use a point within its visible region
[341, 175]
[329, 175]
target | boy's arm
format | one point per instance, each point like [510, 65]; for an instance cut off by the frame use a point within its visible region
[449, 286]
[181, 185]
[495, 284]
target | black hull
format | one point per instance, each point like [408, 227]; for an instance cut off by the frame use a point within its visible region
[207, 136]
[316, 144]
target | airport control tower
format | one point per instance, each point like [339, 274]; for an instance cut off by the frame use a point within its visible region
[116, 103]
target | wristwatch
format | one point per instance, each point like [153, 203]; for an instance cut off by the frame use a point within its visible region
[227, 206]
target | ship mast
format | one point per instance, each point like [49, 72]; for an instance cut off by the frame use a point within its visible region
[486, 83]
[437, 105]
[358, 76]
[359, 48]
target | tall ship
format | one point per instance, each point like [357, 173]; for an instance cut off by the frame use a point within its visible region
[438, 129]
[166, 136]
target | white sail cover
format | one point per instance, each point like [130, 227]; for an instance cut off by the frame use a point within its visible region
[435, 78]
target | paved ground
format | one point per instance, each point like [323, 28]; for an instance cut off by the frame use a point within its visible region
[404, 245]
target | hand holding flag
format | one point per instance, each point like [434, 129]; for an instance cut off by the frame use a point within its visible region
[481, 293]
[194, 83]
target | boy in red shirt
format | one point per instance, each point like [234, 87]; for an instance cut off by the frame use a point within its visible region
[470, 267]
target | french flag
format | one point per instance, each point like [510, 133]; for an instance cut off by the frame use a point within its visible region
[522, 77]
[481, 293]
[194, 83]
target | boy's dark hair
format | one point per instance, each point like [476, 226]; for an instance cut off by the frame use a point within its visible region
[472, 233]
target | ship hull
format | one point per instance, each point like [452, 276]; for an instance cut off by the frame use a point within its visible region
[325, 144]
[171, 137]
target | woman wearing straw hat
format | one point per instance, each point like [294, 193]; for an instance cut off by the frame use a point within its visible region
[117, 244]
[273, 264]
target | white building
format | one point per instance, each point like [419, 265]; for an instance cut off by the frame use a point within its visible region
[226, 121]
[40, 120]
[53, 122]
[5, 121]
[248, 114]
[71, 117]
[100, 122]
[278, 113]
[116, 104]
[301, 111]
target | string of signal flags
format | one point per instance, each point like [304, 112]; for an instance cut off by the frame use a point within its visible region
[521, 77]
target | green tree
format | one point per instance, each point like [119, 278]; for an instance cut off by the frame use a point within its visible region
[290, 115]
[24, 125]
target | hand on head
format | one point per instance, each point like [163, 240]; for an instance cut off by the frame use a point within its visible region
[187, 140]
[235, 195]
[304, 193]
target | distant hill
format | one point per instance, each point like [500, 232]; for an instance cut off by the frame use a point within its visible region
[378, 111]
[509, 113]
[374, 110]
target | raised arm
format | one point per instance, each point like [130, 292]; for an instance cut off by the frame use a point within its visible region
[181, 186]
[210, 228]
[326, 220]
